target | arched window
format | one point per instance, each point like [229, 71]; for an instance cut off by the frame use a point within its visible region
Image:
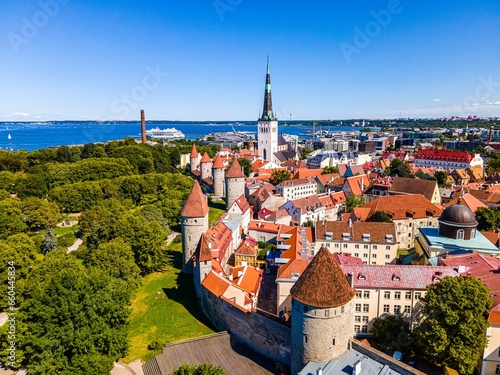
[472, 234]
[460, 234]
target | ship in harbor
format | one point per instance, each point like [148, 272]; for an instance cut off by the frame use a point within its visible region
[168, 134]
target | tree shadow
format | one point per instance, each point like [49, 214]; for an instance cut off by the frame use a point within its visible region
[185, 294]
[245, 351]
[221, 205]
[175, 258]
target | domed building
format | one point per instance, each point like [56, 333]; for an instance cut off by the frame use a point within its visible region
[457, 234]
[458, 222]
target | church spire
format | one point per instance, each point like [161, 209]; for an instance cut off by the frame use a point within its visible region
[267, 113]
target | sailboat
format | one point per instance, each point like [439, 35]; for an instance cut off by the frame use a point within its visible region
[9, 137]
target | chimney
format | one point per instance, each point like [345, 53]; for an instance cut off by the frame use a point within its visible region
[357, 368]
[491, 134]
[143, 126]
[319, 371]
[350, 279]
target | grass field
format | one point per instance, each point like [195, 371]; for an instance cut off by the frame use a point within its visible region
[164, 309]
[217, 209]
[61, 231]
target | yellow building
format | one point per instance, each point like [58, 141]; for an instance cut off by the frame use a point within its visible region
[246, 255]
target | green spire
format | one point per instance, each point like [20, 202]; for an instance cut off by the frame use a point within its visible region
[267, 113]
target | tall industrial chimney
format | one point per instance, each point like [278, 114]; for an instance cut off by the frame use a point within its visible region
[143, 126]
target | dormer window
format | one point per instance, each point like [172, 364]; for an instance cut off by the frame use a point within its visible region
[346, 236]
[366, 237]
[361, 277]
[295, 275]
[396, 277]
[389, 238]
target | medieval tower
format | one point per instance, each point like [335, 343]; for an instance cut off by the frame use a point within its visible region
[194, 159]
[322, 311]
[206, 166]
[268, 124]
[194, 223]
[218, 176]
[235, 183]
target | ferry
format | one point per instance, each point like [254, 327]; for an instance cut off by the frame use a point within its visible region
[169, 133]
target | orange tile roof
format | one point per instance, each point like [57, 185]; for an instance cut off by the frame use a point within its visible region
[401, 207]
[215, 284]
[218, 163]
[194, 153]
[323, 283]
[264, 226]
[361, 213]
[358, 184]
[467, 200]
[242, 203]
[246, 249]
[196, 203]
[303, 173]
[234, 170]
[205, 158]
[326, 178]
[250, 280]
[219, 238]
[357, 229]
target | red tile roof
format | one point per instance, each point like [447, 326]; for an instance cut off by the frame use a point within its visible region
[323, 284]
[401, 207]
[358, 184]
[205, 158]
[194, 153]
[246, 249]
[250, 280]
[218, 163]
[234, 170]
[303, 173]
[196, 203]
[378, 231]
[346, 258]
[396, 276]
[242, 204]
[219, 239]
[215, 284]
[264, 226]
[444, 155]
[467, 200]
[484, 267]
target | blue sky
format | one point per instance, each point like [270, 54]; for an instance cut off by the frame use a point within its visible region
[205, 59]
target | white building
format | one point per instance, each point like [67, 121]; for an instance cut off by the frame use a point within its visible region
[295, 189]
[268, 124]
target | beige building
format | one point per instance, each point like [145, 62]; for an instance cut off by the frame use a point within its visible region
[393, 289]
[295, 189]
[408, 212]
[374, 243]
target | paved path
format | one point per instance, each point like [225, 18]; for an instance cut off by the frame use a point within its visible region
[171, 237]
[75, 246]
[133, 368]
[3, 318]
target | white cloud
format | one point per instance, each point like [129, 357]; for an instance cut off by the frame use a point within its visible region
[497, 103]
[436, 100]
[20, 114]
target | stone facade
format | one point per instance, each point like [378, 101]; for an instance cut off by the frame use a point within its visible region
[218, 179]
[192, 229]
[235, 188]
[206, 170]
[194, 163]
[319, 334]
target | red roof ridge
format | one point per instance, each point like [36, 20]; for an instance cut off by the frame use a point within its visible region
[205, 158]
[234, 170]
[218, 163]
[323, 283]
[196, 203]
[194, 152]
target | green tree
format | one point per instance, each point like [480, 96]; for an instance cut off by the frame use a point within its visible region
[309, 224]
[33, 185]
[306, 151]
[246, 165]
[455, 318]
[39, 213]
[11, 218]
[353, 201]
[488, 218]
[380, 217]
[49, 242]
[399, 168]
[278, 176]
[117, 258]
[146, 239]
[392, 331]
[441, 178]
[328, 170]
[140, 157]
[494, 163]
[7, 181]
[204, 369]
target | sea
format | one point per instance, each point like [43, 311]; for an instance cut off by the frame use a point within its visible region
[31, 136]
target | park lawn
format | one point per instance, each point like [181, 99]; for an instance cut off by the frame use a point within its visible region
[61, 231]
[164, 309]
[217, 209]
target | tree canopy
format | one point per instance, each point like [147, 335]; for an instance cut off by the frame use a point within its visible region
[278, 176]
[353, 201]
[399, 168]
[204, 369]
[455, 318]
[392, 331]
[380, 217]
[488, 218]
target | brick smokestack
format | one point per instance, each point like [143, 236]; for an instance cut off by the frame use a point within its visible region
[491, 133]
[143, 126]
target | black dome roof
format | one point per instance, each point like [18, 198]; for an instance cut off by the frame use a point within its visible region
[458, 214]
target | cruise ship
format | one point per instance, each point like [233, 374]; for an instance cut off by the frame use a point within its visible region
[169, 133]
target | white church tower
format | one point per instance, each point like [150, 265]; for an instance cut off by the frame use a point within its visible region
[268, 124]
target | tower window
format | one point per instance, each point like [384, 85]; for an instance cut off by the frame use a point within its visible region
[460, 234]
[333, 342]
[305, 339]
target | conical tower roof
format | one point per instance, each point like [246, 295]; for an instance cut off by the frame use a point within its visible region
[194, 152]
[267, 112]
[205, 158]
[218, 163]
[196, 203]
[234, 170]
[323, 284]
